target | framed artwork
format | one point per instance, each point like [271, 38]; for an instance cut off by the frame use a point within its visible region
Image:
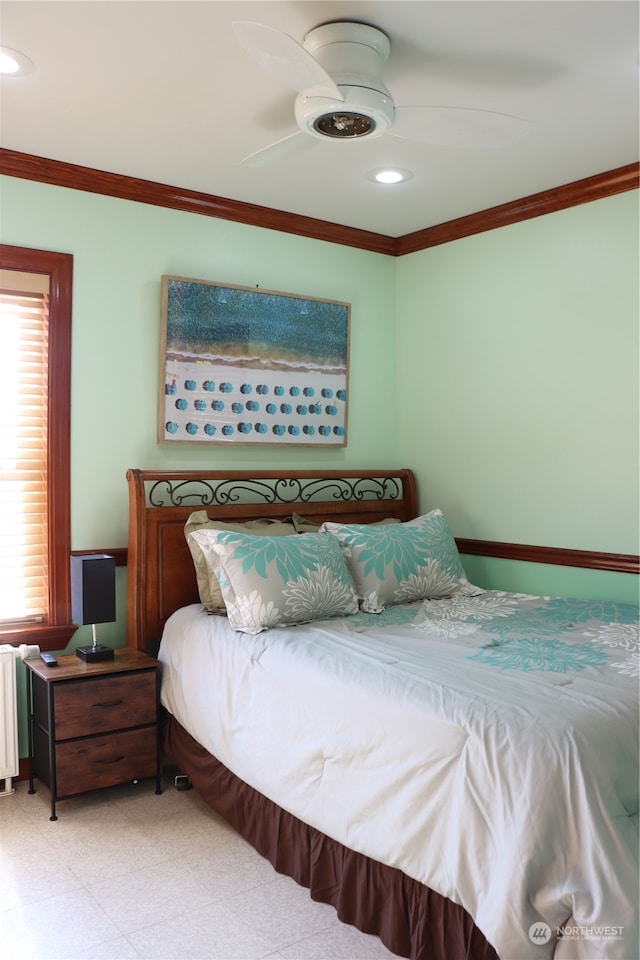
[245, 365]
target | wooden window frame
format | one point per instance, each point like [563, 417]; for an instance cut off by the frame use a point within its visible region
[56, 631]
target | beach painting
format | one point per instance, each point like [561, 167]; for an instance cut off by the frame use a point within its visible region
[246, 365]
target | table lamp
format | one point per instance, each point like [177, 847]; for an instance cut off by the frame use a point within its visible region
[93, 599]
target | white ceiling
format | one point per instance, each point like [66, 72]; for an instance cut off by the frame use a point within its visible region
[161, 90]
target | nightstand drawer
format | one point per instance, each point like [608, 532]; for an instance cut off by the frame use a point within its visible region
[106, 760]
[106, 703]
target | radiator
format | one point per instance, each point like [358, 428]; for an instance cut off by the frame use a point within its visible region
[8, 718]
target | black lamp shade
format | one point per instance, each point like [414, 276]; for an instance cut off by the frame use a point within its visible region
[93, 588]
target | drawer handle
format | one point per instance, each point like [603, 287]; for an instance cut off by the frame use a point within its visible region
[107, 705]
[114, 760]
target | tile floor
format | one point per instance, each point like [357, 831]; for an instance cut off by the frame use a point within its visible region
[125, 873]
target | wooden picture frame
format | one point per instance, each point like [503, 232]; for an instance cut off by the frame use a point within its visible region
[246, 365]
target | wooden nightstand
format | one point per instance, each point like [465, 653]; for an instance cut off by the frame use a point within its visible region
[93, 725]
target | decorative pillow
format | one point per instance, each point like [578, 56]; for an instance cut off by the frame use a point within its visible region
[401, 563]
[208, 586]
[303, 525]
[273, 581]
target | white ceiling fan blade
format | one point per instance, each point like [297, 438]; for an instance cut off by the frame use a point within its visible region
[287, 58]
[289, 146]
[458, 127]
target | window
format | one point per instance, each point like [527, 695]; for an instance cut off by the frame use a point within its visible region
[35, 334]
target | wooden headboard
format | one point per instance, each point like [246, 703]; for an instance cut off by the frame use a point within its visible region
[160, 573]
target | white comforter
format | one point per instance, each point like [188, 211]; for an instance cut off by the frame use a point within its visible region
[486, 746]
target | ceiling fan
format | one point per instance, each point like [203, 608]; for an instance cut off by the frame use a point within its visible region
[341, 96]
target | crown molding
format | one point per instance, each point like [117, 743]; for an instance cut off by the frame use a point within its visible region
[57, 173]
[537, 205]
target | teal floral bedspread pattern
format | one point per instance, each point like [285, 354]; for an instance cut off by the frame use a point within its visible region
[521, 632]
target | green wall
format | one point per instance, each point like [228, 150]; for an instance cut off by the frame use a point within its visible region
[121, 249]
[517, 389]
[503, 367]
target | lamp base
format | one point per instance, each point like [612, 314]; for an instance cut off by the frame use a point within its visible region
[92, 654]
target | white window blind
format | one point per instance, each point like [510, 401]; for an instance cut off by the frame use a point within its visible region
[24, 593]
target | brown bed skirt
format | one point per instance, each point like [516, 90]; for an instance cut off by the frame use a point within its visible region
[410, 919]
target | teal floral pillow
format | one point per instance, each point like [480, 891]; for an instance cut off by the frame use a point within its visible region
[208, 586]
[417, 560]
[273, 581]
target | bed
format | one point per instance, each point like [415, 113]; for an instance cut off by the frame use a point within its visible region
[455, 770]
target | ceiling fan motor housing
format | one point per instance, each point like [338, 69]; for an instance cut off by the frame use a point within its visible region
[352, 54]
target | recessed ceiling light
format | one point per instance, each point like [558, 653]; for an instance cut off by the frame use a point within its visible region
[13, 63]
[390, 175]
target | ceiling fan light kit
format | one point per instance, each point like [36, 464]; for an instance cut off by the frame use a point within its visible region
[364, 113]
[352, 54]
[337, 74]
